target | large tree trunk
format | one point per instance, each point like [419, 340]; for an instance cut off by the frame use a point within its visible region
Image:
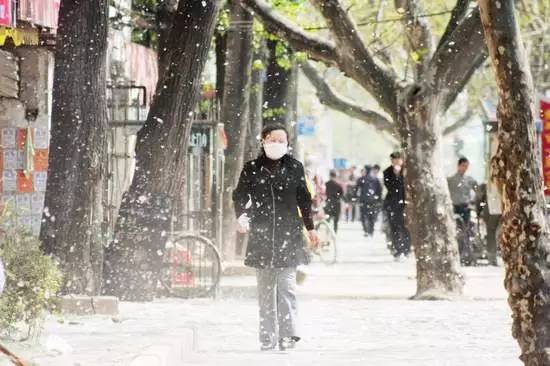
[516, 167]
[72, 226]
[235, 111]
[165, 20]
[220, 49]
[277, 86]
[132, 261]
[430, 217]
[255, 106]
[292, 109]
[255, 123]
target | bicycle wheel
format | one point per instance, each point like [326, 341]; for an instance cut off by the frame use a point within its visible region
[192, 267]
[327, 242]
[480, 240]
[463, 236]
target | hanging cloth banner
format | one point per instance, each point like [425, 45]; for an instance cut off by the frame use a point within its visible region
[6, 13]
[28, 163]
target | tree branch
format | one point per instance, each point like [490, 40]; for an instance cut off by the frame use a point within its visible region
[454, 62]
[462, 78]
[419, 35]
[317, 48]
[328, 97]
[382, 52]
[12, 357]
[463, 121]
[355, 60]
[457, 15]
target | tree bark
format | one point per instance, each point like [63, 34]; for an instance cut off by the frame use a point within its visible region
[72, 227]
[132, 261]
[220, 50]
[255, 123]
[165, 19]
[418, 33]
[276, 88]
[516, 169]
[256, 102]
[292, 108]
[235, 111]
[430, 216]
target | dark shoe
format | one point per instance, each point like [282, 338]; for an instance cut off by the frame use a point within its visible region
[288, 343]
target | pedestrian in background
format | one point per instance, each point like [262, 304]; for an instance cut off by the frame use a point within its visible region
[349, 196]
[394, 207]
[462, 188]
[370, 198]
[273, 203]
[333, 206]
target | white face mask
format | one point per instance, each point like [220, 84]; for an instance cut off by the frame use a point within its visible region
[275, 150]
[397, 168]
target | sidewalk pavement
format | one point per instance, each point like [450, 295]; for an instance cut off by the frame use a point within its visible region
[353, 313]
[366, 270]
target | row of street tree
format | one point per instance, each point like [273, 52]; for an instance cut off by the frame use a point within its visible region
[440, 61]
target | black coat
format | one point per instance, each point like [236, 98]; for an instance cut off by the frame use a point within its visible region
[276, 228]
[395, 184]
[370, 190]
[334, 193]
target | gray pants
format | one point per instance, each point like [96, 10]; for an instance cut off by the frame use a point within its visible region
[278, 308]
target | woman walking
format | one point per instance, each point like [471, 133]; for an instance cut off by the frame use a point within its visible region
[273, 203]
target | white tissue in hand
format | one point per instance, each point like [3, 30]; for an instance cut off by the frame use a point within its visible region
[244, 222]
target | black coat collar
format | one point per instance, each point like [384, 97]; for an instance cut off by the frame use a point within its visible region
[264, 163]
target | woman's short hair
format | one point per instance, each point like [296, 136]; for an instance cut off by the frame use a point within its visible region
[273, 127]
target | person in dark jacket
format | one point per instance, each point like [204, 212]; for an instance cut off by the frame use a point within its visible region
[370, 197]
[333, 206]
[394, 207]
[273, 203]
[349, 196]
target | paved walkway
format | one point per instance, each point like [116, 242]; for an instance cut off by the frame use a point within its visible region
[366, 270]
[353, 313]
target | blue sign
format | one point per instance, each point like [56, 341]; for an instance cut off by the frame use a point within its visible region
[306, 126]
[341, 163]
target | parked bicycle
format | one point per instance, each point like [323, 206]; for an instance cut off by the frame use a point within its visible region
[472, 240]
[191, 266]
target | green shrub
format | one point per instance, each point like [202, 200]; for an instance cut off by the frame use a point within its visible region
[32, 280]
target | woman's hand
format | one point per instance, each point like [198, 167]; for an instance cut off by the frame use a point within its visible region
[313, 239]
[243, 224]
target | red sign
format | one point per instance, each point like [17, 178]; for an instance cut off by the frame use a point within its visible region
[181, 273]
[545, 117]
[6, 15]
[39, 12]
